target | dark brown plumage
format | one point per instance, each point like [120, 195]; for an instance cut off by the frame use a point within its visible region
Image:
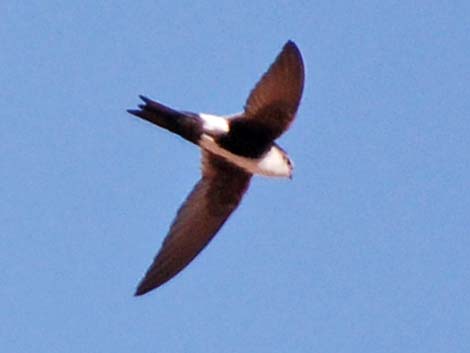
[269, 110]
[205, 210]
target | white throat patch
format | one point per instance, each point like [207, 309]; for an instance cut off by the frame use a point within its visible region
[273, 163]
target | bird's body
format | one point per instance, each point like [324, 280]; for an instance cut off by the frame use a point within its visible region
[273, 163]
[233, 149]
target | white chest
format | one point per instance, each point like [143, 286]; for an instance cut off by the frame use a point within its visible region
[273, 163]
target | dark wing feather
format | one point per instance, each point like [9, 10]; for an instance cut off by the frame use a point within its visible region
[206, 209]
[273, 102]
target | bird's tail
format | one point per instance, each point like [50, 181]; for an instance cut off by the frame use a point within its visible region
[187, 125]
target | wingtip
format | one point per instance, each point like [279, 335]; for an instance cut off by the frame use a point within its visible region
[290, 44]
[145, 286]
[138, 293]
[141, 289]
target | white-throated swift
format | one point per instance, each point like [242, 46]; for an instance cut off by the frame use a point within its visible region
[233, 149]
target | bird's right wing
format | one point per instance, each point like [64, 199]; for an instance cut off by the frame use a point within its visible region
[206, 209]
[272, 104]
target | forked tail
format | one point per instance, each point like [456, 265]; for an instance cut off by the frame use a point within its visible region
[187, 125]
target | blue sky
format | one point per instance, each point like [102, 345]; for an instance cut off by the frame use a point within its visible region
[365, 250]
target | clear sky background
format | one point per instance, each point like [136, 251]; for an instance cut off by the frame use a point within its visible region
[366, 250]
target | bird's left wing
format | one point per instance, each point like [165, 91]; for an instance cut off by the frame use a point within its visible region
[206, 209]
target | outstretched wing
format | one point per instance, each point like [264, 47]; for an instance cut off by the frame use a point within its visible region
[206, 209]
[273, 102]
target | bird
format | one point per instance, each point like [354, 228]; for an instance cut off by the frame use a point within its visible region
[233, 149]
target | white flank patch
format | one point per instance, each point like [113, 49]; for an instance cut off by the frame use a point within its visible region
[213, 124]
